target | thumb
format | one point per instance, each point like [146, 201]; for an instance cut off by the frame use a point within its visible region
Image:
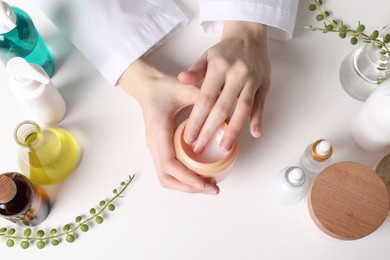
[195, 73]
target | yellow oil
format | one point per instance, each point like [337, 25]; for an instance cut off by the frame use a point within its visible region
[51, 156]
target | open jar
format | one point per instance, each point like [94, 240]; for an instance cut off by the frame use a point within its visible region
[212, 162]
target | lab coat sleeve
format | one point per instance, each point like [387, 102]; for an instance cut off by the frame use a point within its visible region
[278, 15]
[112, 34]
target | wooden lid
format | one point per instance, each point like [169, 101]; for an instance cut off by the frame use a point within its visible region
[348, 201]
[7, 189]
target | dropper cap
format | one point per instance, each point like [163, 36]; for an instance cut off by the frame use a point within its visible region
[26, 74]
[7, 18]
[296, 176]
[321, 150]
[7, 189]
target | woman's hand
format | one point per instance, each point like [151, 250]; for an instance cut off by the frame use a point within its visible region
[162, 98]
[236, 77]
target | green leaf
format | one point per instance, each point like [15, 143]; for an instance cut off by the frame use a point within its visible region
[99, 219]
[66, 228]
[360, 28]
[319, 17]
[40, 233]
[102, 203]
[342, 35]
[70, 238]
[92, 211]
[11, 231]
[354, 40]
[386, 38]
[84, 227]
[10, 243]
[375, 34]
[41, 244]
[53, 231]
[27, 232]
[3, 230]
[24, 244]
[111, 207]
[78, 219]
[54, 242]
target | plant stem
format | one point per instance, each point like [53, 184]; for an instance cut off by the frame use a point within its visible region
[72, 230]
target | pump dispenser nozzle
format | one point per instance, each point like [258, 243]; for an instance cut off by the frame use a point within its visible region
[33, 87]
[7, 18]
[22, 71]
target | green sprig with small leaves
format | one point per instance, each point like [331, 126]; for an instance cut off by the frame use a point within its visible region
[69, 231]
[355, 34]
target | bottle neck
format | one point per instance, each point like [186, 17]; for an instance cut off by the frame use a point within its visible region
[28, 134]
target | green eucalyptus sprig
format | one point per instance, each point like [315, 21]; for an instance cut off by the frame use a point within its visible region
[69, 231]
[356, 34]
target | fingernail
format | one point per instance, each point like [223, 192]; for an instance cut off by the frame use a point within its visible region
[210, 190]
[199, 186]
[256, 132]
[226, 145]
[189, 138]
[197, 147]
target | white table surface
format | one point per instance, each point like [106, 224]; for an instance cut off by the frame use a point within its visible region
[306, 102]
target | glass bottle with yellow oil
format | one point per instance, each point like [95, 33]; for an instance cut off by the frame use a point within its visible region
[48, 155]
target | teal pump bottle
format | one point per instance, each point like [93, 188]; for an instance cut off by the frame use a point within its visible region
[19, 38]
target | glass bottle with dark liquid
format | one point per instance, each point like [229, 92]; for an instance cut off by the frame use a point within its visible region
[20, 201]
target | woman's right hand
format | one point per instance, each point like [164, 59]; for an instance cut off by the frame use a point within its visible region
[162, 98]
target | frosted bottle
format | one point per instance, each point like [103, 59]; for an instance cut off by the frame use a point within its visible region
[291, 184]
[371, 125]
[316, 156]
[19, 38]
[34, 89]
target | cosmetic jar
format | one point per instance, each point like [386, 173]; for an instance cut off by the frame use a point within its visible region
[212, 161]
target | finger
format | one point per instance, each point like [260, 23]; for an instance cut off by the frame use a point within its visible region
[187, 94]
[240, 115]
[195, 73]
[165, 156]
[170, 182]
[207, 97]
[257, 111]
[219, 113]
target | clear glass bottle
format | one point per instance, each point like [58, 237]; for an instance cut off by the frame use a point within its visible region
[359, 70]
[291, 184]
[48, 155]
[316, 156]
[19, 38]
[21, 202]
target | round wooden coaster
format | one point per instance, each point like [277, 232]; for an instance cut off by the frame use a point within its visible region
[348, 201]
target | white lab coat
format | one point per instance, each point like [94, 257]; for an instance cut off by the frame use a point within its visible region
[114, 33]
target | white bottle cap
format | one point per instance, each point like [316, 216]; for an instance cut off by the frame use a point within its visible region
[323, 148]
[296, 176]
[7, 18]
[26, 74]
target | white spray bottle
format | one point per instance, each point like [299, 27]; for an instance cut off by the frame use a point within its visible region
[34, 89]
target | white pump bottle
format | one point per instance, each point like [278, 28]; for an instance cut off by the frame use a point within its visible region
[34, 89]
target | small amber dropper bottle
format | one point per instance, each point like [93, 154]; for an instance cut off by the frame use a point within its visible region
[20, 201]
